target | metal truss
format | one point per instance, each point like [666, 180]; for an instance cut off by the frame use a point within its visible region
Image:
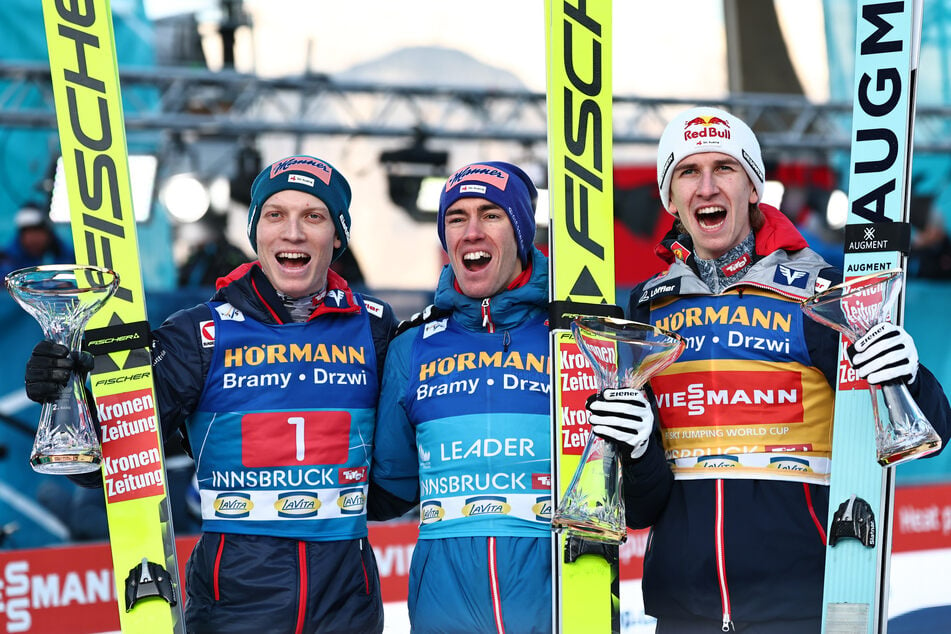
[227, 104]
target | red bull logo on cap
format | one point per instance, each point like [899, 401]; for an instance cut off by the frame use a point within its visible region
[701, 130]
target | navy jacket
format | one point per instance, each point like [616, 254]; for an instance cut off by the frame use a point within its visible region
[772, 550]
[257, 583]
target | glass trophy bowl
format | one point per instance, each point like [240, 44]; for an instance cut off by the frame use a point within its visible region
[62, 298]
[624, 354]
[853, 308]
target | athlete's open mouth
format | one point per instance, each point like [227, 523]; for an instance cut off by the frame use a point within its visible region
[711, 217]
[476, 260]
[292, 260]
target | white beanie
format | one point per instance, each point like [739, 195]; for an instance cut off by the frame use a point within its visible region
[30, 216]
[707, 130]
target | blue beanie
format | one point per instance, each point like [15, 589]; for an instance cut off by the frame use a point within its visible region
[501, 183]
[307, 174]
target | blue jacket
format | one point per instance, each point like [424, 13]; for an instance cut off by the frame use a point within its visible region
[463, 422]
[772, 544]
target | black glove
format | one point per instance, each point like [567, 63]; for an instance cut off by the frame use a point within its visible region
[886, 354]
[430, 313]
[49, 367]
[624, 416]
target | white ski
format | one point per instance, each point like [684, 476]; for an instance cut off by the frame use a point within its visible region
[877, 238]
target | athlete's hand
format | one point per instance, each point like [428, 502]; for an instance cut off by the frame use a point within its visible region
[886, 354]
[430, 313]
[622, 415]
[49, 367]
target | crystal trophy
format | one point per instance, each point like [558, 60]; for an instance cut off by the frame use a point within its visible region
[624, 354]
[853, 308]
[62, 298]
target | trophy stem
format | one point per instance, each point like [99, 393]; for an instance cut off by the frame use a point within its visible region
[910, 435]
[70, 444]
[593, 507]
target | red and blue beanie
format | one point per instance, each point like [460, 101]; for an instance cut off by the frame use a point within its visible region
[501, 183]
[307, 174]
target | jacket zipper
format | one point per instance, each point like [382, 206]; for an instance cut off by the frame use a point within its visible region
[727, 625]
[487, 316]
[721, 561]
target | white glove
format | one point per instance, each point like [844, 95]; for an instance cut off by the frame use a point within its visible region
[623, 415]
[885, 354]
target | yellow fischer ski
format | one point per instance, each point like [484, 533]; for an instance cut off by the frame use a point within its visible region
[581, 246]
[85, 81]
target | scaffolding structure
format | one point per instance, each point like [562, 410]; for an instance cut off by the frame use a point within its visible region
[205, 104]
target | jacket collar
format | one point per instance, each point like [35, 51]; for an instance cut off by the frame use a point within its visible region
[510, 308]
[339, 298]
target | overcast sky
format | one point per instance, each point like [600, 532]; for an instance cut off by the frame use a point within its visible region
[672, 48]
